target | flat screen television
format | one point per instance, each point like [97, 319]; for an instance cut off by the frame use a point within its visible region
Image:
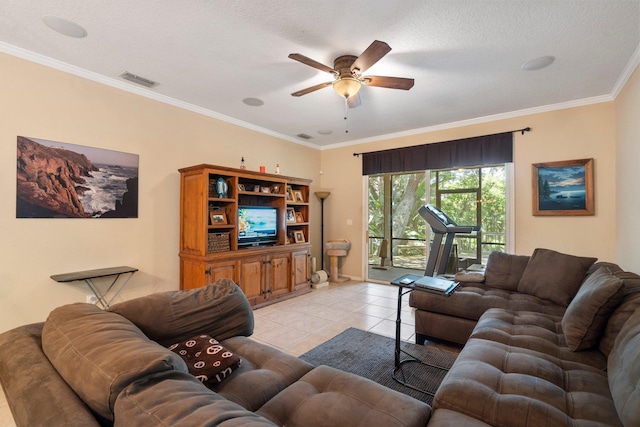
[257, 225]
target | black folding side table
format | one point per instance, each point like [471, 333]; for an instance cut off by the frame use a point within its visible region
[88, 275]
[406, 284]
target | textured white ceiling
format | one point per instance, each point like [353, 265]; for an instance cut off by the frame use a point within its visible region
[465, 56]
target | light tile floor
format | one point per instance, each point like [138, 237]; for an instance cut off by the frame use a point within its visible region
[299, 324]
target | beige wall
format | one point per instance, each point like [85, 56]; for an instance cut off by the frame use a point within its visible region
[41, 102]
[576, 133]
[628, 174]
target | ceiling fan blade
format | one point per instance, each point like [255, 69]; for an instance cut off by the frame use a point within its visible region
[389, 82]
[370, 56]
[311, 89]
[312, 63]
[354, 101]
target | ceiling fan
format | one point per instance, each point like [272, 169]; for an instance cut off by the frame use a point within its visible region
[347, 71]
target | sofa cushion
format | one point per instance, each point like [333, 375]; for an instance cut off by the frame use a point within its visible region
[220, 310]
[265, 372]
[629, 304]
[34, 390]
[471, 300]
[534, 331]
[503, 270]
[99, 353]
[504, 385]
[624, 371]
[330, 397]
[587, 315]
[144, 403]
[207, 359]
[554, 276]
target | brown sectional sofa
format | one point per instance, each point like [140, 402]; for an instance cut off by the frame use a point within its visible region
[88, 367]
[561, 360]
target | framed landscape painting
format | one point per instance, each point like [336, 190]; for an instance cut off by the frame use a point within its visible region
[60, 180]
[563, 188]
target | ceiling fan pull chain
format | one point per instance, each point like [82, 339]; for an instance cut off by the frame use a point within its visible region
[346, 115]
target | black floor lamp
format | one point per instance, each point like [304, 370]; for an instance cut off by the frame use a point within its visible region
[322, 195]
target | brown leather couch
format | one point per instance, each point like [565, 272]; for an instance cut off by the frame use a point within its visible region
[562, 348]
[88, 367]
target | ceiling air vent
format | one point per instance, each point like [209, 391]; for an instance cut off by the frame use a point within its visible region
[137, 79]
[304, 136]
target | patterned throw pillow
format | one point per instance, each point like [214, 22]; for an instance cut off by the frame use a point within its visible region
[207, 359]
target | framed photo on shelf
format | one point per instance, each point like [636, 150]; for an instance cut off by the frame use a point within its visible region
[289, 193]
[299, 217]
[563, 188]
[218, 218]
[298, 236]
[291, 215]
[298, 196]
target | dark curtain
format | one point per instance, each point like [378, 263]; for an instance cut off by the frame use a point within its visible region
[480, 150]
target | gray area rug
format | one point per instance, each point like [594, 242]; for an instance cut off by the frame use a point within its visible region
[372, 356]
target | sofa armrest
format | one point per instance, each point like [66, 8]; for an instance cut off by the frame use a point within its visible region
[37, 395]
[220, 310]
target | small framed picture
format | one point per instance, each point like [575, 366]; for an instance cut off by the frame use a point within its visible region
[289, 193]
[218, 218]
[291, 215]
[298, 235]
[241, 187]
[299, 217]
[298, 196]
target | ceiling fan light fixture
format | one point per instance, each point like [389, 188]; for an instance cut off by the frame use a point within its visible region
[347, 86]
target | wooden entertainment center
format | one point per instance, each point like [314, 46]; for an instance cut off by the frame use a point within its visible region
[215, 242]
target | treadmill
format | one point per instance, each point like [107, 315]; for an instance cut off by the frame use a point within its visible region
[441, 225]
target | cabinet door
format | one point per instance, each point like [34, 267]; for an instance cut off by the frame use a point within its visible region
[300, 270]
[279, 275]
[221, 270]
[251, 279]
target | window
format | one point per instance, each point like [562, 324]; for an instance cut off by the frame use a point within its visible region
[470, 196]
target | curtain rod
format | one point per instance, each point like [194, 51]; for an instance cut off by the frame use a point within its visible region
[523, 130]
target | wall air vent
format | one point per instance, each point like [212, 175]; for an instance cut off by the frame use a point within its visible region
[304, 136]
[137, 79]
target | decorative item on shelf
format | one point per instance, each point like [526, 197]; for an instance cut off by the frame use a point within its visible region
[218, 217]
[291, 215]
[299, 217]
[290, 237]
[265, 189]
[241, 187]
[289, 193]
[262, 169]
[218, 242]
[277, 168]
[221, 188]
[322, 195]
[275, 188]
[256, 188]
[242, 165]
[298, 236]
[298, 196]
